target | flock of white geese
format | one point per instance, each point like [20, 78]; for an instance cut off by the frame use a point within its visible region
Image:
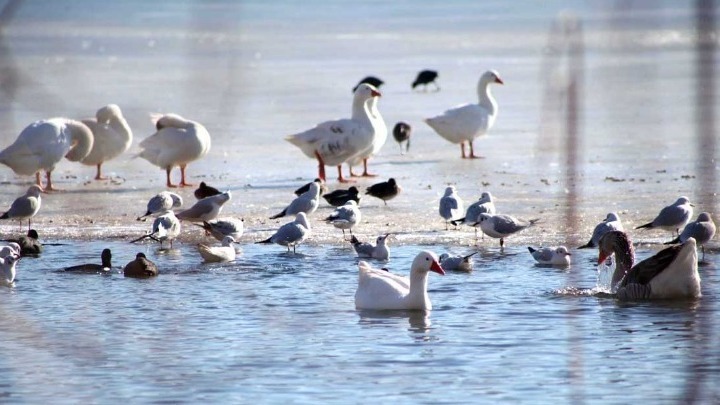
[672, 273]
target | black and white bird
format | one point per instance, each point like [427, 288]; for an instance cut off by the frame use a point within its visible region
[206, 209]
[26, 206]
[204, 190]
[425, 77]
[220, 228]
[216, 254]
[340, 197]
[104, 267]
[345, 217]
[305, 187]
[141, 267]
[371, 80]
[380, 251]
[451, 205]
[161, 202]
[386, 190]
[457, 262]
[401, 133]
[554, 256]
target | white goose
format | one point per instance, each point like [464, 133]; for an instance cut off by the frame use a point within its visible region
[112, 136]
[469, 121]
[671, 273]
[379, 138]
[43, 144]
[335, 142]
[382, 290]
[177, 142]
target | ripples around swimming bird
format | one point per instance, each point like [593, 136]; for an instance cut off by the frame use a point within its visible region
[274, 326]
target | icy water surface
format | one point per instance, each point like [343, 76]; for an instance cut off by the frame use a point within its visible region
[281, 327]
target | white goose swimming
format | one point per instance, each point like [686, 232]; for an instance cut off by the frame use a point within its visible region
[335, 142]
[43, 144]
[177, 142]
[112, 136]
[671, 273]
[469, 121]
[382, 290]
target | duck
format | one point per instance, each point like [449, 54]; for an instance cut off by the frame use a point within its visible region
[43, 144]
[112, 136]
[380, 251]
[29, 244]
[702, 230]
[425, 77]
[104, 267]
[380, 133]
[672, 217]
[216, 254]
[386, 190]
[204, 190]
[345, 217]
[220, 228]
[457, 263]
[501, 226]
[161, 202]
[8, 269]
[307, 202]
[177, 142]
[340, 197]
[401, 133]
[554, 256]
[141, 267]
[206, 209]
[467, 122]
[672, 273]
[292, 233]
[610, 223]
[335, 142]
[382, 290]
[451, 205]
[26, 206]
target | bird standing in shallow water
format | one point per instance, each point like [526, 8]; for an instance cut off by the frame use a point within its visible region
[502, 226]
[141, 267]
[702, 230]
[386, 190]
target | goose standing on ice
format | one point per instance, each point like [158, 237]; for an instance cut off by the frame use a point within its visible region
[43, 144]
[380, 133]
[469, 121]
[177, 142]
[112, 136]
[671, 273]
[335, 142]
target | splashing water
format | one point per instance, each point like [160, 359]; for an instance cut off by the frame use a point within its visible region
[605, 273]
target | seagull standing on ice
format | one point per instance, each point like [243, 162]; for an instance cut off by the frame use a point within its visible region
[451, 205]
[673, 217]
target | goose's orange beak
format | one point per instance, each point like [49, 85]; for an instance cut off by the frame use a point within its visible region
[435, 266]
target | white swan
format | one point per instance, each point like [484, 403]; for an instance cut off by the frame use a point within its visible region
[112, 136]
[379, 137]
[335, 142]
[382, 290]
[469, 121]
[43, 144]
[177, 142]
[671, 273]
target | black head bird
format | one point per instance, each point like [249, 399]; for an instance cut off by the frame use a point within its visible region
[401, 133]
[340, 197]
[205, 191]
[371, 80]
[29, 244]
[106, 259]
[426, 77]
[387, 190]
[305, 187]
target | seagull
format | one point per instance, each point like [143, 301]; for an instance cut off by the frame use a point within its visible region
[556, 256]
[467, 122]
[484, 205]
[673, 217]
[401, 133]
[425, 77]
[141, 267]
[502, 226]
[671, 273]
[166, 227]
[345, 217]
[371, 80]
[104, 267]
[305, 187]
[43, 144]
[25, 206]
[177, 142]
[459, 263]
[291, 234]
[11, 249]
[307, 202]
[214, 254]
[112, 136]
[702, 230]
[450, 205]
[340, 197]
[206, 209]
[380, 251]
[204, 190]
[610, 223]
[161, 202]
[220, 228]
[386, 190]
[7, 269]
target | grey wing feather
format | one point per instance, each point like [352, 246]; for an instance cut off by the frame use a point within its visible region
[447, 204]
[288, 233]
[506, 224]
[669, 216]
[202, 207]
[364, 249]
[545, 255]
[22, 207]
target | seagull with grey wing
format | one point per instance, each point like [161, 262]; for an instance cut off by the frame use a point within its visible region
[484, 205]
[206, 209]
[702, 229]
[306, 202]
[380, 251]
[291, 234]
[451, 205]
[673, 217]
[554, 256]
[501, 226]
[610, 223]
[457, 263]
[25, 206]
[220, 228]
[161, 202]
[345, 217]
[166, 227]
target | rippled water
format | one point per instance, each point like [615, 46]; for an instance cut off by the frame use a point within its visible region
[281, 327]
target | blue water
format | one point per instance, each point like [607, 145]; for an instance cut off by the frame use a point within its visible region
[277, 327]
